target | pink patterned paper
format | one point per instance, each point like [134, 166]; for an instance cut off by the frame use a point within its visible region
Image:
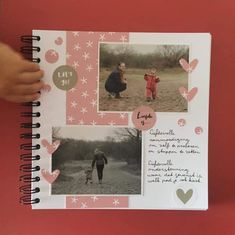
[81, 102]
[86, 202]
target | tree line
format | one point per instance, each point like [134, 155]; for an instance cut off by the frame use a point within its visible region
[163, 56]
[126, 146]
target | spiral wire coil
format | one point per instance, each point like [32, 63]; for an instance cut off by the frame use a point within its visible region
[27, 158]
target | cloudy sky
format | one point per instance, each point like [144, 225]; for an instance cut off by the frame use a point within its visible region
[89, 133]
[139, 48]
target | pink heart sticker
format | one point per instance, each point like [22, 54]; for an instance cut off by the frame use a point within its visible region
[50, 177]
[51, 148]
[188, 67]
[188, 95]
[46, 88]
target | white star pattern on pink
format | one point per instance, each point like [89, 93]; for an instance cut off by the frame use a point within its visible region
[75, 64]
[123, 38]
[76, 47]
[86, 55]
[74, 104]
[84, 80]
[83, 205]
[83, 110]
[93, 123]
[85, 94]
[74, 199]
[115, 202]
[122, 115]
[89, 68]
[101, 114]
[68, 55]
[73, 90]
[70, 118]
[81, 122]
[102, 37]
[93, 103]
[89, 44]
[112, 123]
[82, 48]
[82, 202]
[75, 34]
[94, 198]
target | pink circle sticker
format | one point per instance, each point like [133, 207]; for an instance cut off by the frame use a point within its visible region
[51, 56]
[181, 122]
[59, 41]
[144, 118]
[198, 130]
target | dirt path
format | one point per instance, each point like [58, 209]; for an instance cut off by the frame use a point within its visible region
[170, 100]
[115, 181]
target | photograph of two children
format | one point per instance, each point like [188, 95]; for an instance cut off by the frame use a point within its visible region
[109, 160]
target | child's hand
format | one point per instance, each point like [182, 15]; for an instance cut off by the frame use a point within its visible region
[19, 78]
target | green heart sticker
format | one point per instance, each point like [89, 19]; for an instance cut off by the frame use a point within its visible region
[184, 197]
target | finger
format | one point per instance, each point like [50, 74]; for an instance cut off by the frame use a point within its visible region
[27, 66]
[20, 56]
[30, 77]
[23, 98]
[28, 89]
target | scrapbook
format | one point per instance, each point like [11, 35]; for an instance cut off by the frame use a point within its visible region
[122, 121]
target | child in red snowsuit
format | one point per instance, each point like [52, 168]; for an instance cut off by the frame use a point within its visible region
[151, 85]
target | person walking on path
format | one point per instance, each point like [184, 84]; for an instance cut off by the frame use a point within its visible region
[100, 160]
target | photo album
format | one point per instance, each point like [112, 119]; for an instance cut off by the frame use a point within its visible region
[122, 120]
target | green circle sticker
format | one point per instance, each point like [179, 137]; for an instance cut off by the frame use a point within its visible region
[65, 77]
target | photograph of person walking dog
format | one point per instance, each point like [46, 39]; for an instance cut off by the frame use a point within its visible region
[131, 75]
[97, 160]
